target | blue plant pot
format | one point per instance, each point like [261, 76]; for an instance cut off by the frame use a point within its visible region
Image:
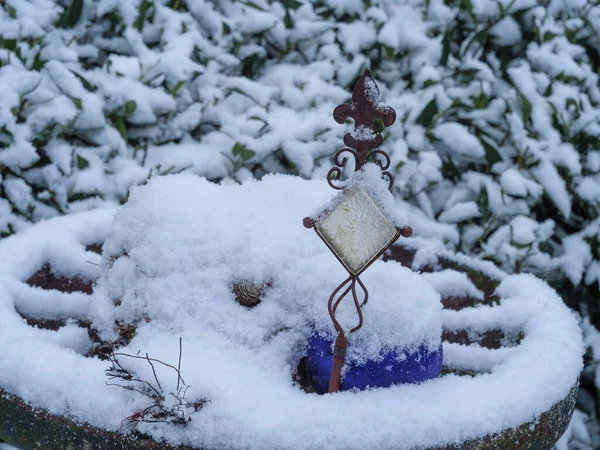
[396, 367]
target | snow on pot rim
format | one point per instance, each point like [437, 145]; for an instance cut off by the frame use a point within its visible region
[523, 382]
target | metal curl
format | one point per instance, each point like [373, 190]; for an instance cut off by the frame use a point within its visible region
[341, 162]
[358, 309]
[334, 174]
[389, 177]
[333, 306]
[364, 288]
[385, 164]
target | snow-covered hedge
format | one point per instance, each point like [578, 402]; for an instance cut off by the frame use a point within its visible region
[497, 137]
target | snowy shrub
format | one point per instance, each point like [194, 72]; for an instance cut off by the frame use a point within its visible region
[498, 102]
[501, 131]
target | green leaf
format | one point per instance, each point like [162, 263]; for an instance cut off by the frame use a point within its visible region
[82, 163]
[480, 102]
[8, 44]
[445, 48]
[253, 5]
[239, 91]
[492, 155]
[243, 152]
[86, 84]
[291, 4]
[378, 126]
[141, 18]
[252, 65]
[571, 102]
[248, 154]
[501, 8]
[177, 87]
[38, 62]
[287, 20]
[238, 148]
[226, 29]
[527, 108]
[449, 170]
[70, 15]
[12, 13]
[467, 6]
[7, 133]
[571, 34]
[167, 171]
[77, 102]
[130, 107]
[480, 37]
[568, 79]
[484, 203]
[390, 53]
[120, 126]
[548, 36]
[428, 113]
[519, 245]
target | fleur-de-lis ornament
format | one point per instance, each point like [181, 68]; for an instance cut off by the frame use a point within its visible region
[363, 142]
[356, 230]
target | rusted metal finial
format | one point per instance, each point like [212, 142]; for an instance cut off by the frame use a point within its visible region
[337, 229]
[362, 143]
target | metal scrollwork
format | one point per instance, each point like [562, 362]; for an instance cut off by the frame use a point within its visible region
[385, 164]
[363, 142]
[340, 161]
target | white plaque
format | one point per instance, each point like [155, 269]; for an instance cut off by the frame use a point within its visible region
[357, 230]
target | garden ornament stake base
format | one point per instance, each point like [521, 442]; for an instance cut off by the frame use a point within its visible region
[356, 229]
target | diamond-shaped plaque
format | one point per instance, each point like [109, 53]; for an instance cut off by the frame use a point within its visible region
[357, 230]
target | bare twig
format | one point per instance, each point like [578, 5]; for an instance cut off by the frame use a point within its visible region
[179, 363]
[151, 359]
[154, 372]
[156, 411]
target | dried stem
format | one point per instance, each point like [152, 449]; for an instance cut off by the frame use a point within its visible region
[156, 411]
[152, 359]
[154, 373]
[179, 363]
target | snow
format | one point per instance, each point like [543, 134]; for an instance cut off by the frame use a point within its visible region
[515, 184]
[356, 37]
[186, 240]
[589, 189]
[459, 140]
[507, 32]
[6, 447]
[548, 177]
[577, 432]
[450, 283]
[475, 358]
[460, 212]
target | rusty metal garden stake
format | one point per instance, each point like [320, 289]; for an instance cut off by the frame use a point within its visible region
[362, 145]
